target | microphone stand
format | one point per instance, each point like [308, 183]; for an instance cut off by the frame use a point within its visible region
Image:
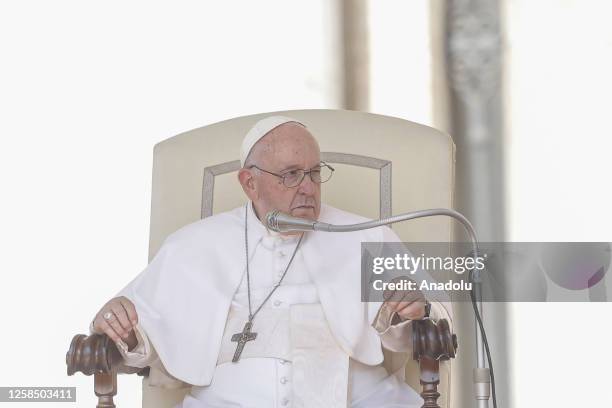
[281, 222]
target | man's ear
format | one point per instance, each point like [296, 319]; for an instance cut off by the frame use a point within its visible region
[247, 181]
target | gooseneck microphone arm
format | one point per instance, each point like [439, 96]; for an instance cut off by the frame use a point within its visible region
[281, 222]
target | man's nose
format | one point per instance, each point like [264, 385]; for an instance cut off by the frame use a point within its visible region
[307, 186]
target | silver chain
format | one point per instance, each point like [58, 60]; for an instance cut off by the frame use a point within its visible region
[246, 247]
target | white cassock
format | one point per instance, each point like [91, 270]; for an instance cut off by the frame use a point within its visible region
[317, 344]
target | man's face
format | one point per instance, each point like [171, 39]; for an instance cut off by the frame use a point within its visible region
[287, 148]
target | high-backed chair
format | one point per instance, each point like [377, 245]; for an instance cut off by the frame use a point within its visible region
[383, 165]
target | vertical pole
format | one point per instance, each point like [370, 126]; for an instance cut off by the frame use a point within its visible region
[473, 57]
[355, 54]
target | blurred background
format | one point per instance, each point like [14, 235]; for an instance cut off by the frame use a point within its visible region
[87, 89]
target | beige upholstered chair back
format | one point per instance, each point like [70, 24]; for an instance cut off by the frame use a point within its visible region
[384, 166]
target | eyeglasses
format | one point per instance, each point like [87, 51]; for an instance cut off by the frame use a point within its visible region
[293, 178]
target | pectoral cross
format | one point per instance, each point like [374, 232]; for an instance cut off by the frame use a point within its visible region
[242, 338]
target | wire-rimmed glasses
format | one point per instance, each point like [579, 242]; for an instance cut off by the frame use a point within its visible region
[293, 178]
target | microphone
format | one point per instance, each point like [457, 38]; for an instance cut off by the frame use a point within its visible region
[281, 222]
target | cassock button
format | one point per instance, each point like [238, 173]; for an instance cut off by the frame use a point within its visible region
[267, 242]
[281, 254]
[285, 401]
[277, 303]
[283, 380]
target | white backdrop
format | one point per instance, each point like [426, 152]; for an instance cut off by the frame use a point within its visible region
[559, 144]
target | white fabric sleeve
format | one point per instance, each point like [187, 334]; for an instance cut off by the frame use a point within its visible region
[398, 337]
[140, 356]
[143, 355]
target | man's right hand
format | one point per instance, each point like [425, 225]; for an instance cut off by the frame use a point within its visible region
[117, 319]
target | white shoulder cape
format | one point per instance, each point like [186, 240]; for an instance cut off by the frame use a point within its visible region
[183, 296]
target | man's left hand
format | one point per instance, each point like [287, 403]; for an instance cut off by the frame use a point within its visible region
[408, 304]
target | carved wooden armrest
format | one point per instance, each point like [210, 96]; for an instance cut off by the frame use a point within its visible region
[97, 354]
[432, 342]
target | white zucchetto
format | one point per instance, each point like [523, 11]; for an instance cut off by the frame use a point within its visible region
[259, 130]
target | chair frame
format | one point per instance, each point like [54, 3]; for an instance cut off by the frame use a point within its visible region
[433, 342]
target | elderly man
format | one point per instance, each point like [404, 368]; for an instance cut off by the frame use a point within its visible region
[251, 318]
